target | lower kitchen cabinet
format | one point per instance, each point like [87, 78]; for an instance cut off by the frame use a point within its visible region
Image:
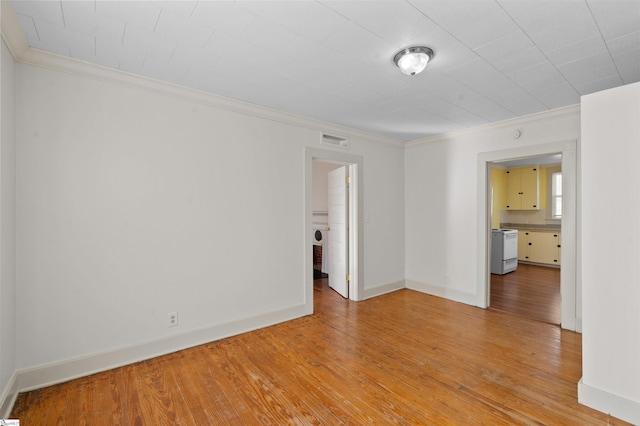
[523, 245]
[539, 247]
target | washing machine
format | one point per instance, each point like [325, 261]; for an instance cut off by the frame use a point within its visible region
[320, 238]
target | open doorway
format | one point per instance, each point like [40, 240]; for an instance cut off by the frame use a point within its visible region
[569, 289]
[526, 229]
[339, 176]
[331, 185]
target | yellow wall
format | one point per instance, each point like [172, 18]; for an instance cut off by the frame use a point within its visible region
[499, 188]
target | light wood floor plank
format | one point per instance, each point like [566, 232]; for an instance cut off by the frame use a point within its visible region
[401, 358]
[531, 290]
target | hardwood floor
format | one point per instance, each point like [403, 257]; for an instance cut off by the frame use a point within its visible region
[531, 290]
[404, 357]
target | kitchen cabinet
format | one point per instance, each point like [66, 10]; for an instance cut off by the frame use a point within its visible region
[523, 188]
[523, 245]
[539, 247]
[543, 247]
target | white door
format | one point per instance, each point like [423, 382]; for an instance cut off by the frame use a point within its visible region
[338, 230]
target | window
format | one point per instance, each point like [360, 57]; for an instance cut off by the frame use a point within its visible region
[556, 195]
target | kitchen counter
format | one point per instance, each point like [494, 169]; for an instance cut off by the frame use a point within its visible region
[531, 227]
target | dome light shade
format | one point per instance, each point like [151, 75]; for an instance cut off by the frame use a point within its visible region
[413, 60]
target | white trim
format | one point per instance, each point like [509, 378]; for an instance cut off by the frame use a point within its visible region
[60, 63]
[356, 287]
[608, 403]
[444, 292]
[384, 289]
[569, 249]
[355, 204]
[558, 112]
[568, 276]
[8, 397]
[49, 374]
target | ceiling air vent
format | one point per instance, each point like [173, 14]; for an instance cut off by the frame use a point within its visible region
[334, 141]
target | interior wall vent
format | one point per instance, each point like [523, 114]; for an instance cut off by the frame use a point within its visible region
[334, 141]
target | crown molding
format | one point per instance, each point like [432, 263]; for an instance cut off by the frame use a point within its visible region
[17, 44]
[12, 33]
[516, 121]
[22, 53]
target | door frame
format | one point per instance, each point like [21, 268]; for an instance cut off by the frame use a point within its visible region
[569, 288]
[356, 234]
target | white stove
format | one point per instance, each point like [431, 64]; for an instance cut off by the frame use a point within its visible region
[504, 251]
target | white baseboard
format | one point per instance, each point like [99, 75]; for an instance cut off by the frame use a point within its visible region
[617, 406]
[50, 374]
[444, 292]
[8, 397]
[578, 325]
[383, 289]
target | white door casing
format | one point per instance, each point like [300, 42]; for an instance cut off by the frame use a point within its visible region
[356, 218]
[568, 282]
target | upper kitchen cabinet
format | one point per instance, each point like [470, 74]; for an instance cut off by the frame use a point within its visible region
[523, 188]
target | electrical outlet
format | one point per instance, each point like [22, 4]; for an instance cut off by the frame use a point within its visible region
[446, 279]
[173, 319]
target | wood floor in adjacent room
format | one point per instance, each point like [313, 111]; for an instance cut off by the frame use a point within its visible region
[401, 358]
[532, 291]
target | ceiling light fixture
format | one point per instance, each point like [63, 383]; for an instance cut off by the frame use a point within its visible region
[413, 60]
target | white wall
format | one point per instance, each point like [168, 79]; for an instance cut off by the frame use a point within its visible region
[611, 251]
[384, 225]
[132, 204]
[441, 176]
[7, 226]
